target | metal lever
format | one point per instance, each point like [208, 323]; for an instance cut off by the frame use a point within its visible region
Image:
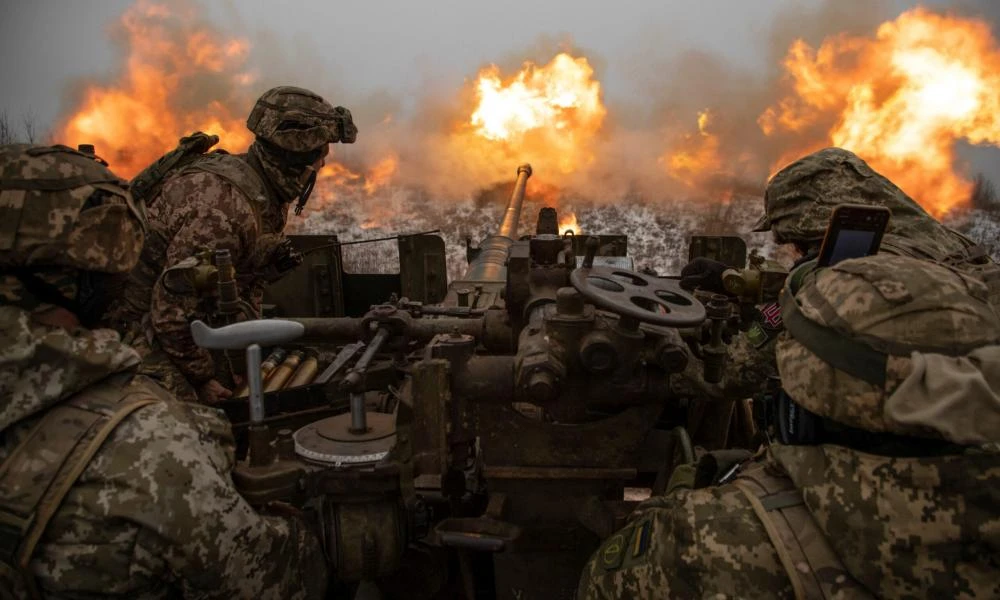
[346, 354]
[250, 335]
[359, 420]
[355, 375]
[263, 332]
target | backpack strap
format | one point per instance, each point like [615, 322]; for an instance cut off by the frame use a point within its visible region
[813, 568]
[146, 185]
[37, 475]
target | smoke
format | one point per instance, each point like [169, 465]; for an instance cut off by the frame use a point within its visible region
[681, 87]
[689, 128]
[631, 155]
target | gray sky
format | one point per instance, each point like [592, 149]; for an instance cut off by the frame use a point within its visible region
[398, 46]
[389, 55]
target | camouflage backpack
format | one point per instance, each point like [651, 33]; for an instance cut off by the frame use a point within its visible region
[62, 214]
[146, 185]
[58, 205]
[860, 338]
[858, 331]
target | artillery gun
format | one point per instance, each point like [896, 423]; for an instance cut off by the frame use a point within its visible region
[479, 446]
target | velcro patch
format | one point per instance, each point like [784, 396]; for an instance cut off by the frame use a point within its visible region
[771, 315]
[640, 541]
[613, 552]
[757, 335]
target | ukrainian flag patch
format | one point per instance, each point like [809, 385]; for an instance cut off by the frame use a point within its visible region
[640, 539]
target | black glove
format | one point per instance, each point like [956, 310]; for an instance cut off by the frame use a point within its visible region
[275, 256]
[705, 274]
[286, 257]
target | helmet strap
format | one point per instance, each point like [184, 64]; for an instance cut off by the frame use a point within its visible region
[310, 183]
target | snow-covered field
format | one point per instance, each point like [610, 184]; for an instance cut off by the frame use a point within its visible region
[658, 231]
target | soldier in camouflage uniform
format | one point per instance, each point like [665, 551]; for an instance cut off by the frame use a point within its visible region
[109, 487]
[221, 201]
[801, 197]
[886, 483]
[798, 203]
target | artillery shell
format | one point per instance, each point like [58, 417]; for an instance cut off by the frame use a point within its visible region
[284, 371]
[305, 374]
[266, 368]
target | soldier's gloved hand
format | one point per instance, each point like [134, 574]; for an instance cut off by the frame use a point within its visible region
[705, 274]
[211, 392]
[286, 257]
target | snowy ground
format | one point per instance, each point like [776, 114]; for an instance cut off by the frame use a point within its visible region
[658, 230]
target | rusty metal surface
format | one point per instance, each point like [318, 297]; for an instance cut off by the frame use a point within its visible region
[423, 268]
[314, 288]
[516, 415]
[508, 438]
[518, 472]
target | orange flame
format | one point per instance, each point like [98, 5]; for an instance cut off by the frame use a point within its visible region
[567, 222]
[546, 115]
[380, 175]
[335, 177]
[901, 100]
[164, 94]
[161, 95]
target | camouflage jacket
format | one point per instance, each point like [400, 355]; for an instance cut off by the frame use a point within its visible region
[155, 513]
[925, 527]
[199, 208]
[750, 361]
[800, 198]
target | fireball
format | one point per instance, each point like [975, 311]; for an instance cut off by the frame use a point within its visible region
[547, 115]
[162, 94]
[567, 222]
[902, 101]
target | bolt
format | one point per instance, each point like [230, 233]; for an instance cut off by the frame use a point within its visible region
[542, 387]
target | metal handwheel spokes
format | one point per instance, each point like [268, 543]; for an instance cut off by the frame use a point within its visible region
[641, 297]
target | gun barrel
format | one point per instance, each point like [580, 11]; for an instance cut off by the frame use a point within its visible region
[511, 217]
[489, 266]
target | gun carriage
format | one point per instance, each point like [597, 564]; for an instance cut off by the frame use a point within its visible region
[479, 440]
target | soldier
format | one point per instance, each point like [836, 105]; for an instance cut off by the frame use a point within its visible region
[884, 477]
[109, 487]
[798, 203]
[801, 197]
[221, 201]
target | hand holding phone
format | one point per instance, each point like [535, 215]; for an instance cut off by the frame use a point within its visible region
[855, 230]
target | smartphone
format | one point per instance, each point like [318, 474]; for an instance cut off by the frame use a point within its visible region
[855, 230]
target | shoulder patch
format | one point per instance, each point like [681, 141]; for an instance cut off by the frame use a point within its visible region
[640, 539]
[770, 315]
[756, 335]
[766, 325]
[613, 551]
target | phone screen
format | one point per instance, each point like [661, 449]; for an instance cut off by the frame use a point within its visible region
[851, 244]
[854, 231]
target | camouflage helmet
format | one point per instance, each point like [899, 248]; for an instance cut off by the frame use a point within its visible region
[866, 339]
[62, 208]
[800, 198]
[297, 120]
